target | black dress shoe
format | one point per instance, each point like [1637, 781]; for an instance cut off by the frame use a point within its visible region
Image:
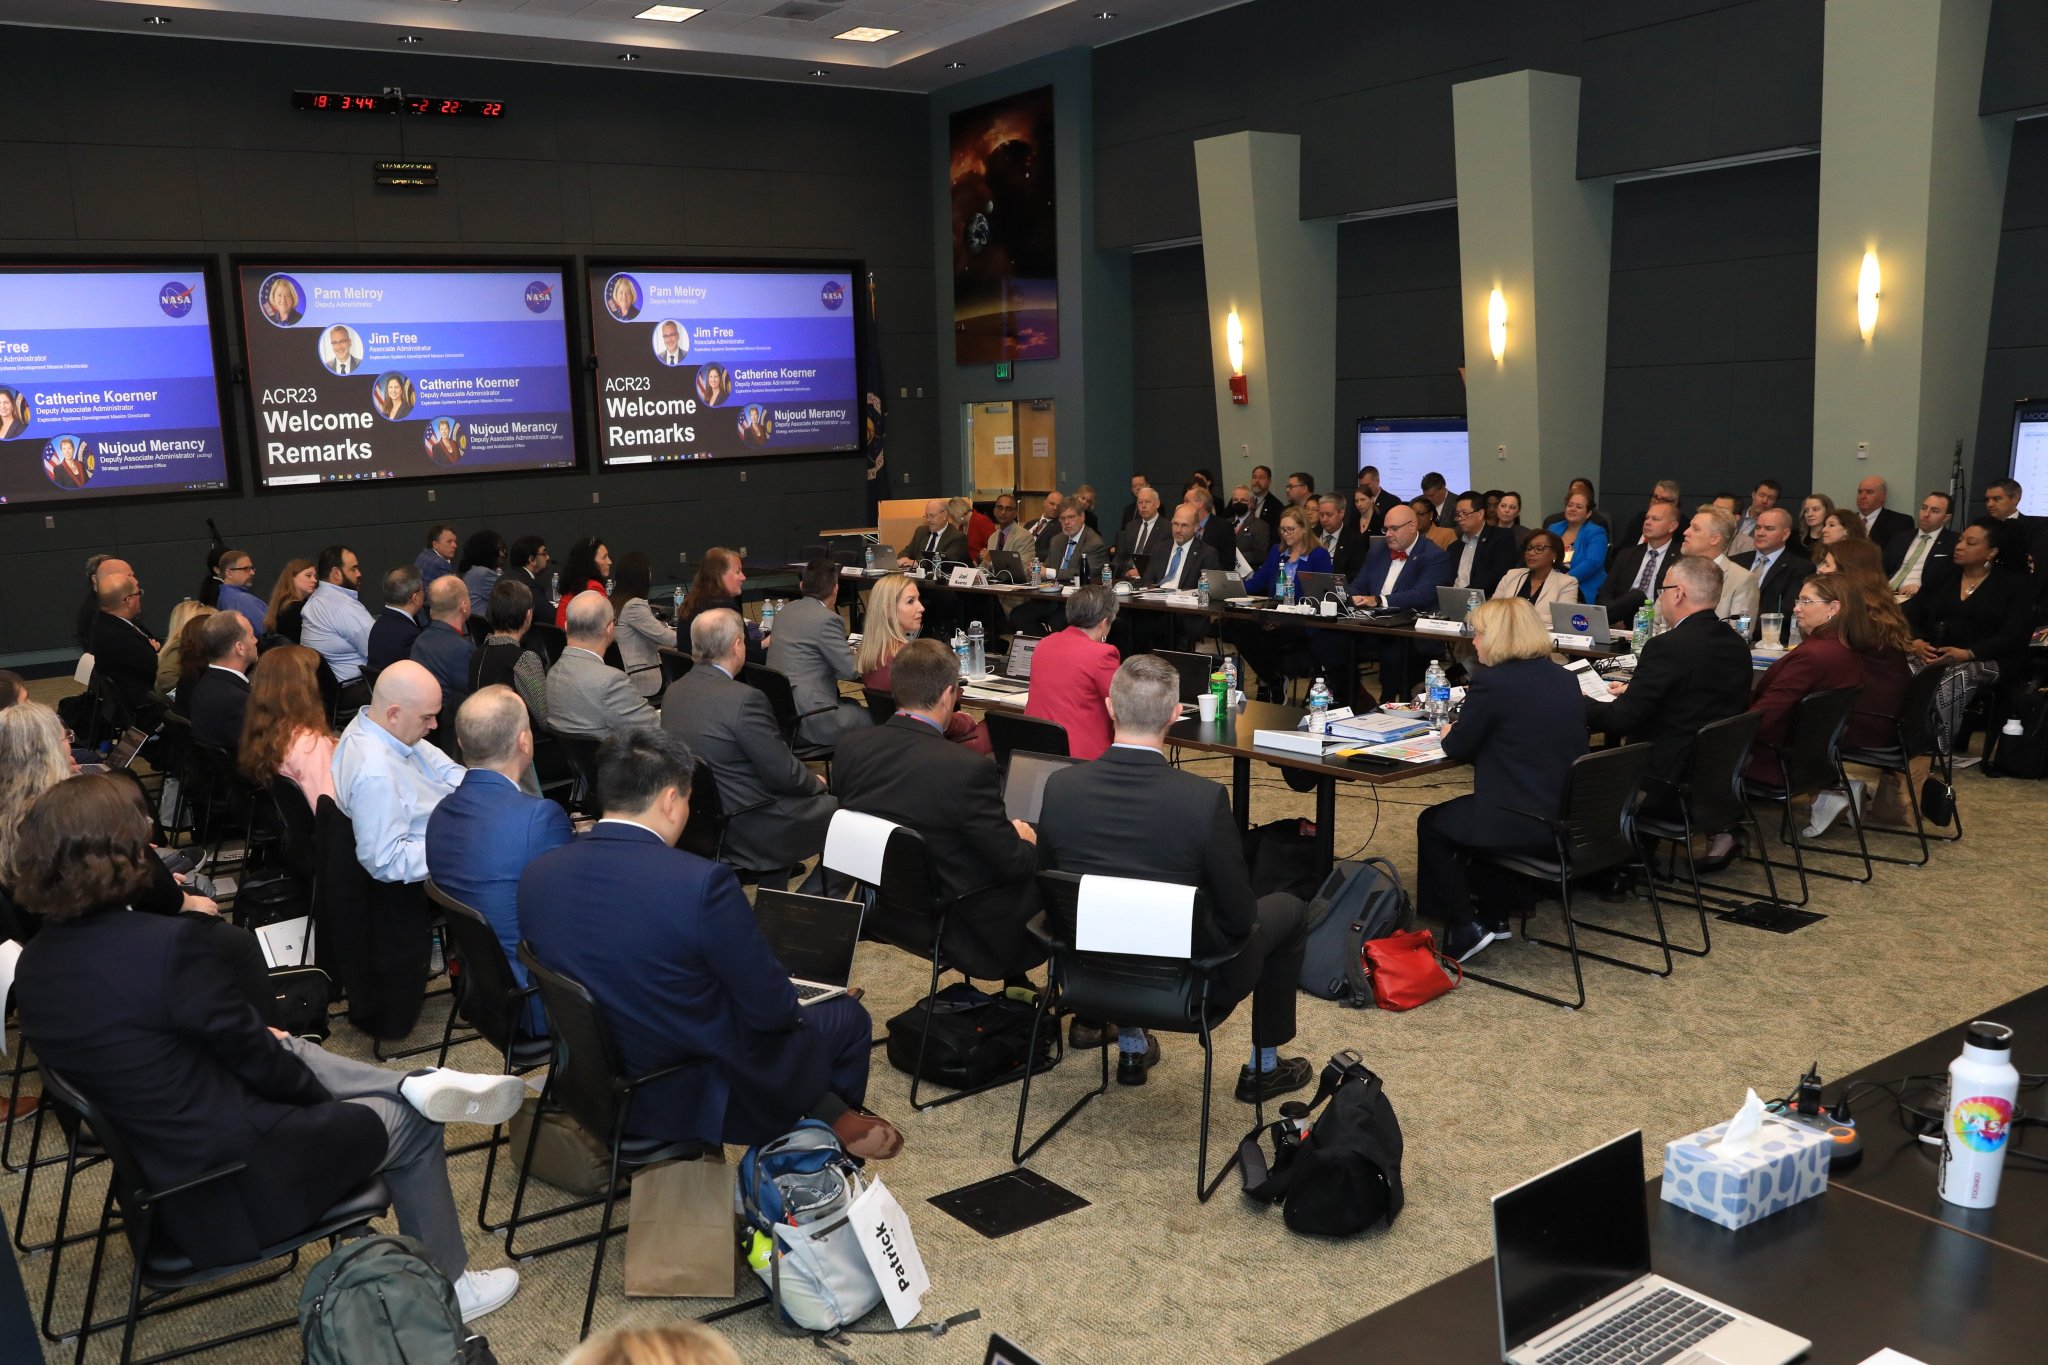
[1132, 1066]
[1292, 1073]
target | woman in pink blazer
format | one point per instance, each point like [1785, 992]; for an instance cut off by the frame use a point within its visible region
[1071, 672]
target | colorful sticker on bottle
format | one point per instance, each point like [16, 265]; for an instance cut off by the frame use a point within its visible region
[1983, 1122]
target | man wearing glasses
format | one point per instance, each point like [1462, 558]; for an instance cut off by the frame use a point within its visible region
[237, 573]
[1300, 488]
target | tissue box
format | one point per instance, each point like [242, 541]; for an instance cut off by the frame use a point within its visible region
[1783, 1164]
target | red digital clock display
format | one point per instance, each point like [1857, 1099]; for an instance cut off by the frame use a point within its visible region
[428, 106]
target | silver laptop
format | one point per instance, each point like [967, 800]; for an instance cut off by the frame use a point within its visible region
[1455, 604]
[813, 937]
[1223, 584]
[1580, 618]
[1016, 675]
[1572, 1279]
[1008, 566]
[1024, 783]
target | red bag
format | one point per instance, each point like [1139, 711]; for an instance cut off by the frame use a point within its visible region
[1406, 970]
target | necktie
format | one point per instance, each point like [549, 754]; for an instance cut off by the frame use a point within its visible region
[1144, 530]
[1920, 544]
[1172, 578]
[1649, 574]
[1068, 557]
[1330, 541]
[1399, 555]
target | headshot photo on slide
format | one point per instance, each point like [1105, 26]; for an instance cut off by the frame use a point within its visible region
[68, 462]
[284, 301]
[714, 384]
[14, 413]
[755, 425]
[341, 349]
[394, 395]
[671, 343]
[446, 441]
[622, 297]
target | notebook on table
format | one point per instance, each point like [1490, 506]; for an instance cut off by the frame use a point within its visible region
[813, 937]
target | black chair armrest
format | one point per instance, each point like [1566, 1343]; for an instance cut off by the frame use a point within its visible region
[1549, 822]
[150, 1197]
[803, 716]
[663, 1074]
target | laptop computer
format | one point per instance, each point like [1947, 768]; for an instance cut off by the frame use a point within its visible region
[1024, 784]
[813, 937]
[1572, 1278]
[1455, 604]
[1007, 566]
[1580, 618]
[1224, 586]
[1313, 587]
[1016, 675]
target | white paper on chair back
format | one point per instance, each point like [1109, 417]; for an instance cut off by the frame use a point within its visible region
[854, 844]
[1142, 918]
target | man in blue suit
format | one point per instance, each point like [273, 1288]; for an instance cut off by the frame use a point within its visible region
[484, 833]
[670, 949]
[1402, 573]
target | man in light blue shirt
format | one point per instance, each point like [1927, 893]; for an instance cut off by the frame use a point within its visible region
[388, 779]
[237, 572]
[334, 623]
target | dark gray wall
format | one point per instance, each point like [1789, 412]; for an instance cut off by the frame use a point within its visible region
[2016, 360]
[1710, 334]
[1400, 336]
[2015, 77]
[153, 144]
[1173, 407]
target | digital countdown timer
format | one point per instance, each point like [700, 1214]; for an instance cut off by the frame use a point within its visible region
[432, 106]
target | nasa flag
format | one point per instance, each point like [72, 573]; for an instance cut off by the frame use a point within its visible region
[874, 417]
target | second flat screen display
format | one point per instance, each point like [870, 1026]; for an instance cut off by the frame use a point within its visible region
[406, 373]
[710, 364]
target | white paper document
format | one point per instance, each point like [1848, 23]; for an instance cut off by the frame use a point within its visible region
[1142, 918]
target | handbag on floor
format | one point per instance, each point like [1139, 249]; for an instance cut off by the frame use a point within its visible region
[1406, 970]
[975, 1037]
[1337, 1174]
[795, 1192]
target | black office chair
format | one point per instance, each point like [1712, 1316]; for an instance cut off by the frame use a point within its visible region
[710, 822]
[1707, 802]
[375, 938]
[674, 664]
[551, 769]
[582, 756]
[1593, 831]
[1166, 993]
[588, 1083]
[1009, 732]
[1811, 764]
[162, 1270]
[773, 684]
[230, 807]
[296, 844]
[478, 628]
[547, 639]
[881, 705]
[1917, 733]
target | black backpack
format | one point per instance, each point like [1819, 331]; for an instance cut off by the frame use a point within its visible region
[378, 1299]
[975, 1037]
[1338, 1174]
[2024, 755]
[1358, 901]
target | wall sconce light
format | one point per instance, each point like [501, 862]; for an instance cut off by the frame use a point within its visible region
[1233, 341]
[1867, 282]
[1497, 325]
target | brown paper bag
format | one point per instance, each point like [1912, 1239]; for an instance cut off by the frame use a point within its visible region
[680, 1243]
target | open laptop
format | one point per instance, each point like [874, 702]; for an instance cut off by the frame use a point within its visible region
[123, 752]
[1572, 1279]
[1455, 604]
[813, 937]
[1224, 586]
[1008, 566]
[1024, 784]
[1314, 587]
[1580, 618]
[1015, 678]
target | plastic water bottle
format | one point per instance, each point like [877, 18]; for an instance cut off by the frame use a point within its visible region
[977, 649]
[1230, 672]
[1106, 579]
[1976, 1127]
[960, 650]
[868, 559]
[1319, 707]
[768, 616]
[1473, 597]
[1439, 685]
[1202, 592]
[678, 603]
[1646, 624]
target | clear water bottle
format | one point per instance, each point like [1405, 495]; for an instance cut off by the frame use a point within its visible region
[1289, 587]
[1106, 579]
[1230, 672]
[1319, 707]
[868, 559]
[1977, 1124]
[1439, 685]
[1473, 597]
[1646, 625]
[678, 603]
[1202, 592]
[960, 650]
[977, 649]
[768, 616]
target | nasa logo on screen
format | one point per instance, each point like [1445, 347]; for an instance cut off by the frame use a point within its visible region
[832, 295]
[1579, 623]
[540, 296]
[175, 299]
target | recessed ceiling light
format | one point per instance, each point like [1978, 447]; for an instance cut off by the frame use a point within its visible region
[629, 56]
[668, 14]
[819, 71]
[410, 38]
[866, 35]
[156, 20]
[1105, 14]
[954, 66]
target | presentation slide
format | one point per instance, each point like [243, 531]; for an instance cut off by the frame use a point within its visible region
[406, 373]
[107, 385]
[2029, 457]
[710, 364]
[1403, 449]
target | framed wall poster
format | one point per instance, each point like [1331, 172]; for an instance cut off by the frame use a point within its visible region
[1005, 231]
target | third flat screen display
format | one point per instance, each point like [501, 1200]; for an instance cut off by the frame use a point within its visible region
[701, 364]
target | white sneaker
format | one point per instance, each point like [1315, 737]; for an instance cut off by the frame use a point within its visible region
[1829, 805]
[460, 1096]
[483, 1291]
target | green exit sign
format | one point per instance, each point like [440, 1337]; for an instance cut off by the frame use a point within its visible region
[1003, 371]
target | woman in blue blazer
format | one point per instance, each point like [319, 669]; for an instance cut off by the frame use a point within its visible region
[1275, 655]
[1585, 545]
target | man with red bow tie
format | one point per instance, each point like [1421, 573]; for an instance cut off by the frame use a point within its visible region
[1400, 574]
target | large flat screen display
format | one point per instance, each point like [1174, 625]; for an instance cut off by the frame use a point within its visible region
[406, 373]
[107, 384]
[2029, 468]
[708, 364]
[1404, 449]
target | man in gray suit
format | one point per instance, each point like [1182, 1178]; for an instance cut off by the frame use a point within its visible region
[587, 697]
[779, 808]
[1076, 555]
[809, 645]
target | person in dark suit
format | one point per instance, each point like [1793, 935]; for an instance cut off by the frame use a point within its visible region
[1694, 673]
[1521, 731]
[1377, 497]
[1085, 830]
[1076, 555]
[1923, 555]
[1637, 575]
[1401, 573]
[906, 772]
[444, 648]
[123, 652]
[1482, 555]
[1215, 530]
[1664, 493]
[1251, 534]
[669, 947]
[142, 1015]
[220, 694]
[1979, 615]
[1177, 565]
[397, 626]
[1046, 526]
[940, 539]
[1337, 531]
[484, 833]
[1880, 523]
[1138, 483]
[779, 808]
[1779, 568]
[1142, 534]
[1261, 501]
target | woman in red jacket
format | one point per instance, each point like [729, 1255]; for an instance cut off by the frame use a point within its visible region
[1071, 673]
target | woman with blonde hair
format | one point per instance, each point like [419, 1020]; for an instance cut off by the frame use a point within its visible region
[288, 598]
[671, 1343]
[170, 660]
[894, 616]
[285, 731]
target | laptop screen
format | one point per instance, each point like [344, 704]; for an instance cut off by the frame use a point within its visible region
[812, 936]
[1018, 664]
[1024, 787]
[1569, 1238]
